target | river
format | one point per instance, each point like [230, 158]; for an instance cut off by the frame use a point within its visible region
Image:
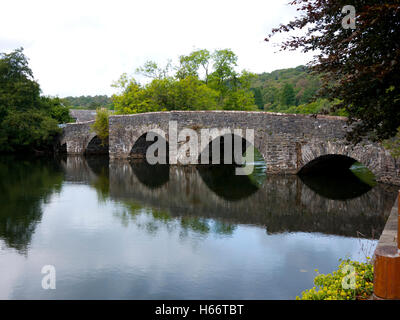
[127, 230]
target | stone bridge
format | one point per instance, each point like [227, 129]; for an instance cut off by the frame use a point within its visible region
[289, 143]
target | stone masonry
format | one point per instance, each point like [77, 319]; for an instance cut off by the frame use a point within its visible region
[288, 142]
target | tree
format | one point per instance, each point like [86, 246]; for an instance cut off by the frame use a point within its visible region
[88, 102]
[54, 108]
[29, 129]
[237, 94]
[234, 87]
[288, 97]
[360, 66]
[220, 88]
[150, 69]
[27, 120]
[165, 94]
[18, 89]
[258, 98]
[192, 94]
[132, 98]
[190, 65]
[224, 63]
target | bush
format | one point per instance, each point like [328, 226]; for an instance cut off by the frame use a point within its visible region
[352, 281]
[30, 129]
[100, 125]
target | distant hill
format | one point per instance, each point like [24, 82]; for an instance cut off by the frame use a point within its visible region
[89, 102]
[290, 91]
[304, 85]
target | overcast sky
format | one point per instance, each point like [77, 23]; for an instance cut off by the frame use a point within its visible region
[81, 47]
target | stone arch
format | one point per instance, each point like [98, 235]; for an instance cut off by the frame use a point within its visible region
[77, 136]
[223, 180]
[329, 176]
[63, 143]
[221, 137]
[339, 155]
[138, 144]
[95, 145]
[330, 163]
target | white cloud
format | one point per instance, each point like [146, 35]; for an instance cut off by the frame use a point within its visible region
[79, 48]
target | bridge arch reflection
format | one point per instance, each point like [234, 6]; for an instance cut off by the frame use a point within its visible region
[347, 177]
[281, 204]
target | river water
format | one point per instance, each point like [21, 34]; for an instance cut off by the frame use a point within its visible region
[127, 230]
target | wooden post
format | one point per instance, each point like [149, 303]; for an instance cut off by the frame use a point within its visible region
[398, 224]
[387, 259]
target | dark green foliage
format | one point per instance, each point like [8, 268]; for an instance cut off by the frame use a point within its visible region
[56, 109]
[25, 184]
[258, 98]
[293, 90]
[27, 120]
[286, 87]
[89, 102]
[287, 96]
[18, 89]
[359, 66]
[29, 129]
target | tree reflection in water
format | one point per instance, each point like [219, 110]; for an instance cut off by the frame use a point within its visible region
[25, 184]
[204, 200]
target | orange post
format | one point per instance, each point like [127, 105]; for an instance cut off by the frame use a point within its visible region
[398, 224]
[387, 260]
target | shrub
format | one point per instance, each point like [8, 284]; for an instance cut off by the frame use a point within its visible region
[352, 281]
[27, 130]
[100, 125]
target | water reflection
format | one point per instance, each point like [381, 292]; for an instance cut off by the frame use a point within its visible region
[125, 229]
[223, 181]
[25, 183]
[197, 196]
[281, 203]
[344, 186]
[151, 220]
[151, 176]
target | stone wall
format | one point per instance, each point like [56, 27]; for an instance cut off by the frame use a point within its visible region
[82, 115]
[77, 136]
